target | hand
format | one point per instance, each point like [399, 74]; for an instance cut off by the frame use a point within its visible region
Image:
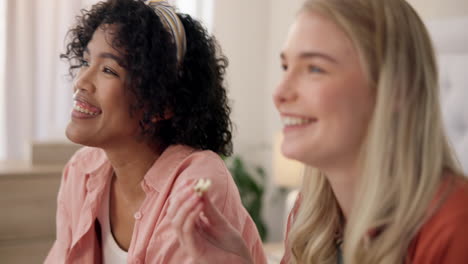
[203, 231]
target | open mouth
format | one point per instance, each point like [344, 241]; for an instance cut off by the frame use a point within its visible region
[85, 108]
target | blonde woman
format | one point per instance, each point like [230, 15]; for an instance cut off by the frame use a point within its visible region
[360, 106]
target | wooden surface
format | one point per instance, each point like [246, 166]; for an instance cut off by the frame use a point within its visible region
[28, 195]
[52, 152]
[28, 205]
[25, 251]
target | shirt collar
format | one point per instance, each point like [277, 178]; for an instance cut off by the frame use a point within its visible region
[160, 174]
[98, 169]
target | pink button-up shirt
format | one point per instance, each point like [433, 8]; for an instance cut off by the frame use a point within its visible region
[153, 241]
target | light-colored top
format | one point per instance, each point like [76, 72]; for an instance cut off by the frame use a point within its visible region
[443, 238]
[153, 240]
[111, 252]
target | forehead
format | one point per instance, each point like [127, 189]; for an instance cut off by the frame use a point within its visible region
[103, 37]
[313, 31]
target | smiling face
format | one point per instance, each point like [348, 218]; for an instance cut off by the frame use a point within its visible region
[324, 99]
[100, 115]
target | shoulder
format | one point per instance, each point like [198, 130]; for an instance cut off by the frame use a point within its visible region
[180, 163]
[205, 164]
[452, 207]
[189, 163]
[209, 165]
[444, 236]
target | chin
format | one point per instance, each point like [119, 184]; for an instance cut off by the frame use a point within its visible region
[307, 157]
[74, 136]
[292, 153]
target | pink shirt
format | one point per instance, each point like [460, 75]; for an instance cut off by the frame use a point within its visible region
[153, 241]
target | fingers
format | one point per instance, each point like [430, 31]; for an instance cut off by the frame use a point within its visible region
[184, 184]
[183, 211]
[180, 187]
[189, 225]
[183, 223]
[200, 227]
[212, 213]
[178, 199]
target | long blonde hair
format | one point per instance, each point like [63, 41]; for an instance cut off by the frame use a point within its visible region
[405, 151]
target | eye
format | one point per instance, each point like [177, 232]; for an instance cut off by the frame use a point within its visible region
[84, 63]
[284, 67]
[315, 69]
[110, 71]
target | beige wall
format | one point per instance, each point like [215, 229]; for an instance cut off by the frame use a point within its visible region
[240, 27]
[438, 9]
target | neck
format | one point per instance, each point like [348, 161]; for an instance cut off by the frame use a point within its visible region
[343, 183]
[131, 162]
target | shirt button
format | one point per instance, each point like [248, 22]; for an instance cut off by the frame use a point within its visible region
[137, 216]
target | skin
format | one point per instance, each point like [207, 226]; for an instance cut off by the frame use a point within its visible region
[100, 87]
[325, 90]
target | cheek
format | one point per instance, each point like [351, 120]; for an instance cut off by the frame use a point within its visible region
[116, 107]
[329, 102]
[344, 109]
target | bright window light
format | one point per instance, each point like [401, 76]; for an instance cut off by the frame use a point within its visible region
[200, 9]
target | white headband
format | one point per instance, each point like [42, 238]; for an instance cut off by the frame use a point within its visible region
[171, 21]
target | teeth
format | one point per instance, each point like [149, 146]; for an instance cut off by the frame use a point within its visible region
[83, 110]
[294, 121]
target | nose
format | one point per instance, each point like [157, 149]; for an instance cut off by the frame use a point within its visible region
[85, 80]
[284, 92]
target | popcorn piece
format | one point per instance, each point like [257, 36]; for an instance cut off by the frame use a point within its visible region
[202, 186]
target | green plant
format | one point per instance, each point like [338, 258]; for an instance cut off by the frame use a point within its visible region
[251, 183]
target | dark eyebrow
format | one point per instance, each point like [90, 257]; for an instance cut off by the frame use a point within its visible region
[107, 55]
[310, 54]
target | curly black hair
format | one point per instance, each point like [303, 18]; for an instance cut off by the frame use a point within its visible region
[193, 92]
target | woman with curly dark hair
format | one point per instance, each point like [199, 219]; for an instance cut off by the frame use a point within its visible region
[151, 108]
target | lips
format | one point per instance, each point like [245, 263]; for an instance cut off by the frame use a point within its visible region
[85, 108]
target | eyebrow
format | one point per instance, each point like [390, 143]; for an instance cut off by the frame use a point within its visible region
[107, 55]
[311, 54]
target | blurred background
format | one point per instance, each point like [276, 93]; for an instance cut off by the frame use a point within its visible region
[35, 102]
